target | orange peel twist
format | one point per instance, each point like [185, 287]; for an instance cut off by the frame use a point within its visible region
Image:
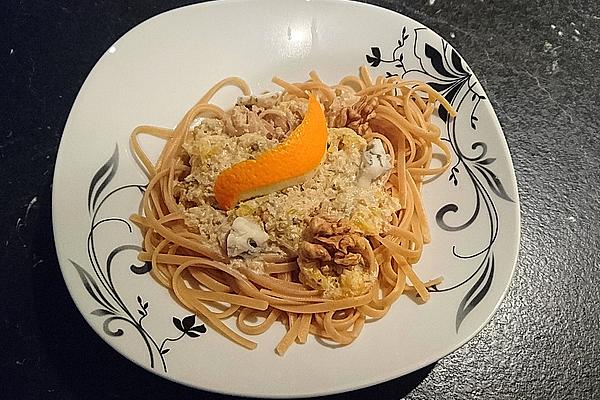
[289, 163]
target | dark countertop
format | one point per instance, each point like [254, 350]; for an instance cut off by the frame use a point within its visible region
[539, 63]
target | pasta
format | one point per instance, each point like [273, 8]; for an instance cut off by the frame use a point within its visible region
[206, 280]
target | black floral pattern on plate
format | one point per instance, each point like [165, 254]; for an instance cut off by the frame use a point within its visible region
[97, 278]
[438, 64]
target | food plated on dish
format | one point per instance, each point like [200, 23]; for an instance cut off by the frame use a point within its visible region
[301, 206]
[260, 225]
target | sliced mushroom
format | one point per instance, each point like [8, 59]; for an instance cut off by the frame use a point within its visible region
[266, 100]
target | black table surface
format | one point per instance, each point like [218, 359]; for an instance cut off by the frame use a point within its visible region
[539, 63]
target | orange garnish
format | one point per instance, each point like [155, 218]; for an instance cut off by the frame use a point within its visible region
[290, 163]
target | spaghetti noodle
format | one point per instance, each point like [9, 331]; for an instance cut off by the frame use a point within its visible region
[208, 282]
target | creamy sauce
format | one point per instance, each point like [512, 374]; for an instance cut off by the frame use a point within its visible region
[333, 190]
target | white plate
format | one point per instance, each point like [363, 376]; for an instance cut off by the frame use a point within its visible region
[154, 73]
